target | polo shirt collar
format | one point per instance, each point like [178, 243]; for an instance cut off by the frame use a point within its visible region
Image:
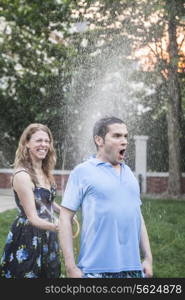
[97, 162]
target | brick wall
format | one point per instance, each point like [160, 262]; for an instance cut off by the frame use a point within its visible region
[60, 178]
[156, 182]
[5, 180]
[156, 185]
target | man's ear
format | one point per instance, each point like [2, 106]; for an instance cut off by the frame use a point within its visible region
[99, 140]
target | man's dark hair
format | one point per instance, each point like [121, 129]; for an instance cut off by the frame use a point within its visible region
[101, 126]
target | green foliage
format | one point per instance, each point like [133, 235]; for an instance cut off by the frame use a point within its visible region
[30, 61]
[46, 81]
[146, 23]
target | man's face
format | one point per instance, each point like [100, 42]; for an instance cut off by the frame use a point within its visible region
[115, 143]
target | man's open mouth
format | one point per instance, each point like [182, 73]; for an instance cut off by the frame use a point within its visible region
[121, 152]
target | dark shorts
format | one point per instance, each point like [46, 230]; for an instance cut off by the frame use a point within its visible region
[122, 274]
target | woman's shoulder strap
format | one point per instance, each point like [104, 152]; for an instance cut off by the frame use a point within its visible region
[18, 171]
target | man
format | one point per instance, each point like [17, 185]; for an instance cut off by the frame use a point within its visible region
[113, 229]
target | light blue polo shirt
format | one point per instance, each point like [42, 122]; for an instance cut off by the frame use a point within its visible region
[111, 216]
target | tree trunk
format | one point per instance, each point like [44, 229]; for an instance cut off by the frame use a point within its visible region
[174, 107]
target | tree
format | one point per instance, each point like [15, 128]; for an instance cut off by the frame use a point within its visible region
[149, 24]
[35, 67]
[174, 114]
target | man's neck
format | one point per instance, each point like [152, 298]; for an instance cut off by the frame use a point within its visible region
[102, 158]
[99, 156]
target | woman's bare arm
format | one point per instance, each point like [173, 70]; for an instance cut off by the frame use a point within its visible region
[24, 188]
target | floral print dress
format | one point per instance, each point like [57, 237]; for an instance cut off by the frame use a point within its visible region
[31, 252]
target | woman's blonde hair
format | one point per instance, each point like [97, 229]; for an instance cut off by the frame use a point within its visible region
[23, 158]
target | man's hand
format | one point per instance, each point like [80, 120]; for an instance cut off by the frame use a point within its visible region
[147, 268]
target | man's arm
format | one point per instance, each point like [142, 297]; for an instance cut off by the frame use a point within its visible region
[66, 242]
[146, 250]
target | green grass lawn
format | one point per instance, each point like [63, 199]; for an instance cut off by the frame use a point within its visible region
[165, 221]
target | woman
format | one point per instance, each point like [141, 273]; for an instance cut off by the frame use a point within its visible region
[31, 249]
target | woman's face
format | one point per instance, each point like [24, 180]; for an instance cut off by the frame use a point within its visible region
[39, 145]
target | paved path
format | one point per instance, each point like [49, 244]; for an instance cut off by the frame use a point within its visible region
[6, 200]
